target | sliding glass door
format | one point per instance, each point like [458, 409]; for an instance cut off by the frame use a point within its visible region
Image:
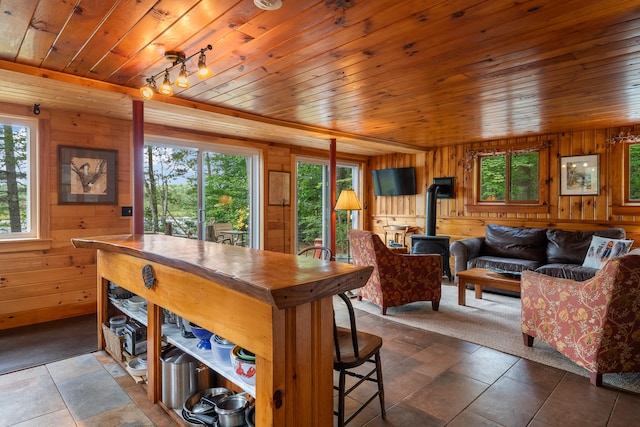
[190, 186]
[313, 204]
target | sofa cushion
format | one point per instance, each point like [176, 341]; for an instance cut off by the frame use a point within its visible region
[570, 247]
[602, 249]
[568, 271]
[516, 242]
[508, 264]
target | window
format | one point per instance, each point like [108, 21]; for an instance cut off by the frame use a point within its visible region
[633, 172]
[18, 178]
[190, 185]
[513, 181]
[510, 178]
[313, 204]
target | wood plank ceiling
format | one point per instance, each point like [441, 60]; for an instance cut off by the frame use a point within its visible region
[379, 75]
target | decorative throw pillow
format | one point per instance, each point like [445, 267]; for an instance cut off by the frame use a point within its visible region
[603, 249]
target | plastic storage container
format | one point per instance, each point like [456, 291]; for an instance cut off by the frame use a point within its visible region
[221, 350]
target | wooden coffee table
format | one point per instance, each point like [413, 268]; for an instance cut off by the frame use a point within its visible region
[480, 277]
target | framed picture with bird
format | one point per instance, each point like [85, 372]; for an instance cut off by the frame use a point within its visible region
[87, 176]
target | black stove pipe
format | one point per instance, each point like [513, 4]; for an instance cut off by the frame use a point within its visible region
[430, 222]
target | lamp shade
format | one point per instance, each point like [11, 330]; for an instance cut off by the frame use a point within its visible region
[348, 201]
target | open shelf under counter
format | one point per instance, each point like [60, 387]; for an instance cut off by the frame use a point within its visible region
[173, 336]
[190, 346]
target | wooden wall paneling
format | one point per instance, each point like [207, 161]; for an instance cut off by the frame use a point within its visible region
[26, 261]
[565, 212]
[278, 232]
[60, 282]
[20, 318]
[60, 286]
[563, 147]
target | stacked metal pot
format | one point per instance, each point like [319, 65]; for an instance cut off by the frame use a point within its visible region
[219, 407]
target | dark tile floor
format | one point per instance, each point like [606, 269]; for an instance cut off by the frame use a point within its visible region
[430, 380]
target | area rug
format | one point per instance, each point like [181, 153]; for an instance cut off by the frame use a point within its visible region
[494, 322]
[34, 345]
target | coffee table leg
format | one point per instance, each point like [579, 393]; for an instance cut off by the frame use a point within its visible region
[478, 291]
[462, 286]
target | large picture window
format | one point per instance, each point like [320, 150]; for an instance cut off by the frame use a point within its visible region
[18, 178]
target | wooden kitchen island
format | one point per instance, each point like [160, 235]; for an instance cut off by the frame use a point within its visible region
[276, 305]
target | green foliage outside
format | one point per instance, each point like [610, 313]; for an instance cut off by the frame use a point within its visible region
[523, 177]
[310, 181]
[634, 172]
[493, 174]
[171, 190]
[309, 196]
[14, 169]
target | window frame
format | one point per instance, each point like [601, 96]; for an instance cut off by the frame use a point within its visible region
[39, 238]
[626, 178]
[619, 166]
[474, 204]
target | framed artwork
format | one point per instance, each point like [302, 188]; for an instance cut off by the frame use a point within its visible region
[279, 188]
[579, 175]
[87, 176]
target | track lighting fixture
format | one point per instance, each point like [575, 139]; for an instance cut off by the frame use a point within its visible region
[182, 81]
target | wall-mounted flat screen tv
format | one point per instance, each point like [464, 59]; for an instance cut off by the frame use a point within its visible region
[394, 182]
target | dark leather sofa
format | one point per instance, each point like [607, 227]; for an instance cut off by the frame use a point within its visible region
[553, 252]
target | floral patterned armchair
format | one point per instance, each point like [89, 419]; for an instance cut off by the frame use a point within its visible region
[595, 323]
[397, 278]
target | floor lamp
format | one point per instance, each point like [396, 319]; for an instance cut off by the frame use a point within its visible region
[348, 201]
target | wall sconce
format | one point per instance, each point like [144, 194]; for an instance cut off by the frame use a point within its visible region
[178, 58]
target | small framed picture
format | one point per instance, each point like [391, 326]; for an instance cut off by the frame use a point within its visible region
[87, 176]
[579, 175]
[279, 188]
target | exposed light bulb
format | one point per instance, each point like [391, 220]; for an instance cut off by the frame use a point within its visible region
[203, 70]
[149, 89]
[166, 88]
[146, 92]
[183, 79]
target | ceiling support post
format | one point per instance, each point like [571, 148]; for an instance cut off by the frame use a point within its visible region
[138, 167]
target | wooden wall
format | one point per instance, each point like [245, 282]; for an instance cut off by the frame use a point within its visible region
[59, 282]
[455, 219]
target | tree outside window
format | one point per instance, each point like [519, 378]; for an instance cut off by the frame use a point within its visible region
[634, 172]
[17, 176]
[510, 178]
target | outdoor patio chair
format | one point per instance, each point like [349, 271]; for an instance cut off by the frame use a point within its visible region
[219, 234]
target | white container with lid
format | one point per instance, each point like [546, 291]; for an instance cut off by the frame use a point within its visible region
[117, 324]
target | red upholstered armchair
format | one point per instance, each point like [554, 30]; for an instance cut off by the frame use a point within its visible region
[397, 279]
[595, 323]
